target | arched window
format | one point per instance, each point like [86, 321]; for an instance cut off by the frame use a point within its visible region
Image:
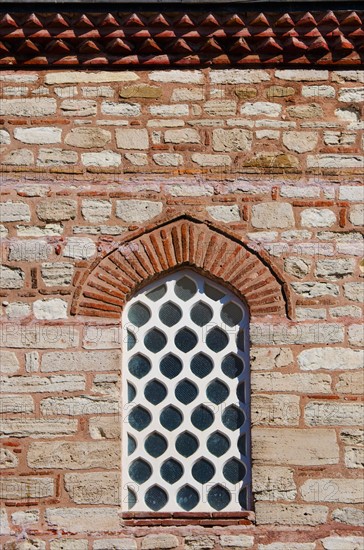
[186, 425]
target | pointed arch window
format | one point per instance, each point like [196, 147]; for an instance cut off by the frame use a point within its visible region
[186, 398]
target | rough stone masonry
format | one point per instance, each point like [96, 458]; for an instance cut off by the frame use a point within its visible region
[90, 160]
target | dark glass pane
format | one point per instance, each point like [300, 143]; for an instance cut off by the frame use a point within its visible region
[242, 445]
[157, 293]
[201, 314]
[185, 288]
[218, 497]
[186, 444]
[170, 418]
[234, 471]
[232, 366]
[139, 418]
[170, 314]
[186, 392]
[155, 445]
[240, 340]
[155, 340]
[185, 340]
[139, 366]
[217, 392]
[131, 499]
[217, 339]
[130, 340]
[155, 392]
[201, 365]
[213, 292]
[187, 498]
[231, 314]
[243, 498]
[170, 366]
[218, 444]
[240, 392]
[171, 471]
[138, 314]
[202, 418]
[140, 471]
[155, 498]
[203, 471]
[131, 444]
[233, 418]
[131, 393]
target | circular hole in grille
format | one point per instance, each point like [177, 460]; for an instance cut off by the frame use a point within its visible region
[170, 366]
[217, 339]
[218, 497]
[140, 471]
[201, 365]
[217, 392]
[218, 444]
[202, 418]
[234, 471]
[139, 366]
[171, 418]
[186, 444]
[232, 366]
[171, 471]
[155, 392]
[185, 340]
[186, 392]
[155, 340]
[201, 314]
[138, 314]
[231, 314]
[155, 445]
[156, 498]
[203, 471]
[170, 314]
[185, 288]
[233, 417]
[187, 498]
[139, 418]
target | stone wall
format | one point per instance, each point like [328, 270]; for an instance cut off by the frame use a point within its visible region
[272, 160]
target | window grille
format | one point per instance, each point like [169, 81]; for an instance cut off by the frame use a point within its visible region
[186, 425]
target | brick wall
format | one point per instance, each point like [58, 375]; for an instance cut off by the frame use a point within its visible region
[267, 165]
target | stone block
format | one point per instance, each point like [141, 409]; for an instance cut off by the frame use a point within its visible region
[177, 110]
[8, 460]
[220, 107]
[356, 335]
[9, 362]
[93, 488]
[104, 159]
[105, 427]
[330, 359]
[272, 215]
[335, 413]
[356, 214]
[318, 91]
[29, 250]
[300, 142]
[42, 135]
[280, 91]
[239, 76]
[349, 516]
[38, 428]
[83, 520]
[145, 91]
[318, 217]
[78, 107]
[49, 230]
[177, 76]
[130, 138]
[261, 108]
[94, 210]
[354, 292]
[14, 212]
[211, 160]
[159, 542]
[81, 361]
[25, 544]
[333, 490]
[88, 138]
[297, 267]
[316, 333]
[32, 107]
[120, 109]
[233, 140]
[32, 361]
[25, 518]
[17, 310]
[302, 447]
[115, 544]
[168, 159]
[85, 77]
[290, 514]
[79, 248]
[342, 543]
[11, 277]
[41, 384]
[187, 135]
[273, 483]
[134, 211]
[294, 382]
[22, 488]
[78, 406]
[334, 269]
[18, 404]
[351, 95]
[4, 137]
[74, 455]
[335, 161]
[288, 546]
[354, 457]
[57, 274]
[315, 290]
[302, 75]
[353, 193]
[68, 544]
[225, 214]
[187, 94]
[270, 358]
[275, 410]
[308, 110]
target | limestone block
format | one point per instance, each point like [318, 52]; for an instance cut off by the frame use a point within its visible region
[187, 94]
[353, 193]
[74, 455]
[105, 427]
[177, 76]
[17, 310]
[83, 520]
[42, 135]
[115, 544]
[79, 248]
[261, 108]
[8, 460]
[297, 267]
[334, 269]
[302, 75]
[272, 215]
[354, 291]
[337, 413]
[180, 109]
[351, 95]
[29, 250]
[78, 406]
[19, 157]
[9, 362]
[318, 217]
[211, 160]
[308, 110]
[11, 277]
[134, 211]
[77, 361]
[20, 488]
[315, 290]
[120, 109]
[41, 384]
[95, 211]
[226, 214]
[335, 161]
[220, 107]
[356, 214]
[300, 142]
[32, 107]
[290, 514]
[330, 359]
[187, 135]
[294, 382]
[4, 137]
[273, 483]
[168, 159]
[94, 488]
[130, 138]
[140, 91]
[318, 91]
[270, 358]
[349, 516]
[158, 542]
[38, 428]
[16, 404]
[57, 274]
[333, 490]
[88, 138]
[342, 543]
[85, 77]
[78, 107]
[68, 544]
[104, 159]
[231, 140]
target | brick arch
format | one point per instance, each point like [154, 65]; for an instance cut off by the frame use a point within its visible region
[217, 254]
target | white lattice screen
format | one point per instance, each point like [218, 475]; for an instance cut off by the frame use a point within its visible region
[186, 425]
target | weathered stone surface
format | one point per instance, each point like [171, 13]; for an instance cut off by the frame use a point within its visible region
[41, 135]
[71, 455]
[17, 310]
[315, 290]
[130, 138]
[108, 384]
[105, 427]
[267, 134]
[334, 269]
[79, 248]
[4, 137]
[41, 384]
[138, 159]
[93, 488]
[220, 107]
[177, 110]
[24, 518]
[157, 542]
[211, 160]
[342, 139]
[302, 447]
[354, 457]
[270, 358]
[297, 267]
[16, 404]
[20, 488]
[280, 91]
[318, 91]
[81, 361]
[310, 110]
[187, 135]
[345, 311]
[83, 520]
[273, 483]
[97, 91]
[290, 514]
[115, 544]
[353, 193]
[335, 161]
[8, 459]
[38, 428]
[177, 76]
[120, 109]
[261, 108]
[318, 217]
[88, 138]
[78, 107]
[356, 335]
[131, 211]
[351, 95]
[298, 75]
[14, 212]
[354, 291]
[336, 413]
[94, 210]
[28, 107]
[200, 542]
[104, 159]
[56, 157]
[294, 382]
[330, 359]
[349, 516]
[342, 543]
[168, 159]
[83, 77]
[54, 308]
[333, 490]
[38, 336]
[32, 361]
[236, 541]
[29, 251]
[300, 142]
[317, 333]
[56, 210]
[78, 406]
[288, 546]
[48, 230]
[271, 215]
[356, 214]
[26, 544]
[4, 523]
[11, 277]
[57, 274]
[275, 410]
[140, 91]
[19, 157]
[224, 214]
[304, 313]
[231, 140]
[69, 544]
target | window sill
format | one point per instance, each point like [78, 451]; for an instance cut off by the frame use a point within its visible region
[205, 519]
